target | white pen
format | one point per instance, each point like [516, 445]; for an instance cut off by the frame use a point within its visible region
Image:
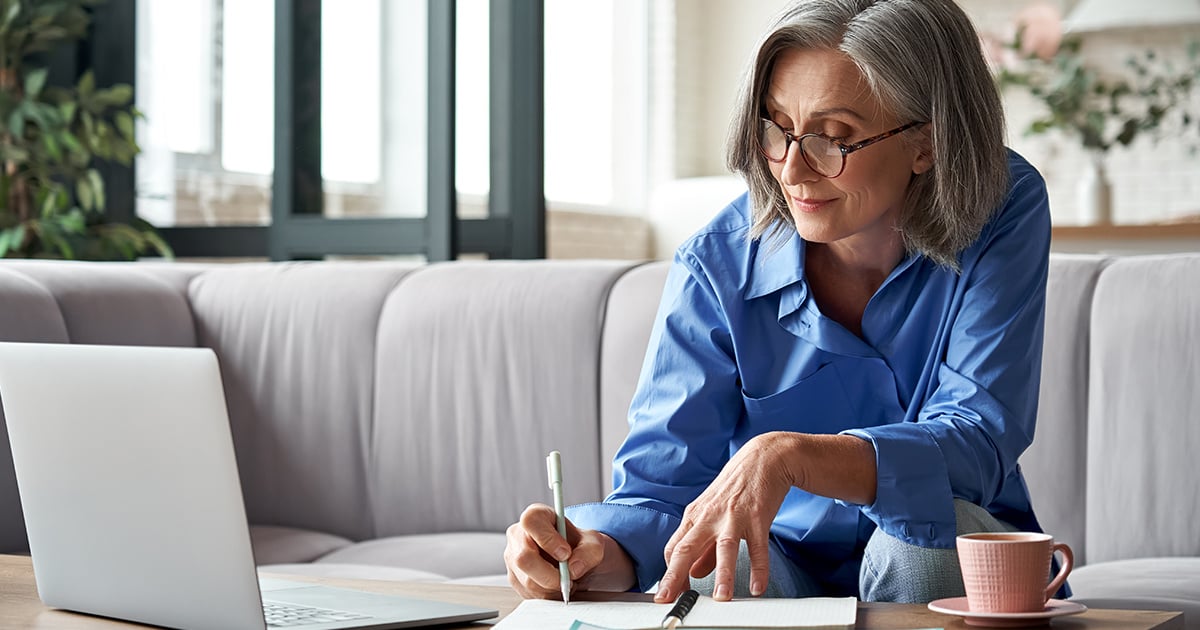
[554, 472]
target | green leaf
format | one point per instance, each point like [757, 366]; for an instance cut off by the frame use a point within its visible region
[52, 147]
[83, 192]
[16, 122]
[11, 239]
[86, 85]
[36, 112]
[97, 186]
[12, 9]
[115, 96]
[89, 129]
[159, 244]
[74, 222]
[125, 125]
[64, 197]
[35, 80]
[52, 238]
[49, 203]
[43, 39]
[69, 141]
[66, 109]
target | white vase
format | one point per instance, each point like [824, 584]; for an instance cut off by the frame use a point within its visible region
[1095, 193]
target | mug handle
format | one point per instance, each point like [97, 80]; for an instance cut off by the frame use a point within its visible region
[1067, 565]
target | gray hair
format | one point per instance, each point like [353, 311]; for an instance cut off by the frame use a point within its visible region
[922, 59]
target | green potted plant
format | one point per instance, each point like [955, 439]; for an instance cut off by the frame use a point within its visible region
[52, 197]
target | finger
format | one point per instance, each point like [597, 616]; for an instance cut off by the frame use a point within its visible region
[686, 524]
[529, 566]
[726, 558]
[519, 581]
[587, 554]
[760, 565]
[541, 525]
[686, 552]
[706, 563]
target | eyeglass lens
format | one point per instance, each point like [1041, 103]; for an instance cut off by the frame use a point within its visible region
[821, 154]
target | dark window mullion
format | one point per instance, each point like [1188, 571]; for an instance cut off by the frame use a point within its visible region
[110, 53]
[297, 188]
[517, 147]
[441, 221]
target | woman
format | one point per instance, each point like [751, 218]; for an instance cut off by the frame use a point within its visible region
[845, 364]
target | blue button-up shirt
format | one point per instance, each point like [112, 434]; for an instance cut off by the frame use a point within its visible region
[943, 383]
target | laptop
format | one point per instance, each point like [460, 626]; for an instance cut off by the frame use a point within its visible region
[125, 466]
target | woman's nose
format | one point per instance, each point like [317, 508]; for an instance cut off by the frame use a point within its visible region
[795, 169]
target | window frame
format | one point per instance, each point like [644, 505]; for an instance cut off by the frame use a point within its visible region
[515, 227]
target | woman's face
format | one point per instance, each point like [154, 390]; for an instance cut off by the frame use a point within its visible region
[823, 92]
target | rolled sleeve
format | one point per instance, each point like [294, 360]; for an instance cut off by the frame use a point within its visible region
[912, 483]
[641, 532]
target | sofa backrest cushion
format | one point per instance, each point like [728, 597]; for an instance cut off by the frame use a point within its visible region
[499, 358]
[1054, 466]
[117, 303]
[296, 346]
[630, 316]
[1143, 495]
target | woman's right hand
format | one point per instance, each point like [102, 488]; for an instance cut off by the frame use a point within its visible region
[534, 550]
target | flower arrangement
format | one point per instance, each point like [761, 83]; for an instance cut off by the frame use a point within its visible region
[1100, 110]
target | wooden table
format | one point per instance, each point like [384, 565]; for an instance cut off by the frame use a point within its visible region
[20, 607]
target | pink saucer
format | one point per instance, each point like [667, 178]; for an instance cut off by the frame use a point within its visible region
[958, 606]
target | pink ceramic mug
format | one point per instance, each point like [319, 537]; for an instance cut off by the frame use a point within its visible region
[1007, 572]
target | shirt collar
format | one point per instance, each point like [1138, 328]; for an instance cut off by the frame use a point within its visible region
[776, 262]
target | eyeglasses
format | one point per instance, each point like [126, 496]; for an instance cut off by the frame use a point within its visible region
[824, 155]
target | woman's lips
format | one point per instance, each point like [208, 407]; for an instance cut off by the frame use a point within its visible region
[810, 205]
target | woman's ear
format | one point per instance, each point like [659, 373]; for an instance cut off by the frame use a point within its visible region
[923, 156]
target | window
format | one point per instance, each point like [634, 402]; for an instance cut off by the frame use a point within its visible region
[207, 80]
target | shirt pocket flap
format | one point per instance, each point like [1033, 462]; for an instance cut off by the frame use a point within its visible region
[816, 404]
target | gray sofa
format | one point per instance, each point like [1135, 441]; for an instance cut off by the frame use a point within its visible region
[391, 420]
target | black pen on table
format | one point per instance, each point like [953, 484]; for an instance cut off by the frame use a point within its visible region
[682, 607]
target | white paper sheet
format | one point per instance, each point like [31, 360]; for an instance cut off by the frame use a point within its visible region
[809, 612]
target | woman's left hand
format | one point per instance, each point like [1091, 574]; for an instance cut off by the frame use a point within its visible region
[739, 504]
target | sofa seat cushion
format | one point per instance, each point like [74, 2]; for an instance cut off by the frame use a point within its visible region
[453, 554]
[1141, 584]
[275, 545]
[350, 572]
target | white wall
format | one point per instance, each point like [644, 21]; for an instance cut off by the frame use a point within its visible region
[714, 42]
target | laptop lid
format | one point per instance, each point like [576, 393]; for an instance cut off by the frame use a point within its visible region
[126, 471]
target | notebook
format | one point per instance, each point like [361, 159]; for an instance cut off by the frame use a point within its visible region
[808, 612]
[126, 472]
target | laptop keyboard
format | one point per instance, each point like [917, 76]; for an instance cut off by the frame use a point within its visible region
[291, 615]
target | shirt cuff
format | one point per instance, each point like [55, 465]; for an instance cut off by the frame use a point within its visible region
[641, 531]
[913, 499]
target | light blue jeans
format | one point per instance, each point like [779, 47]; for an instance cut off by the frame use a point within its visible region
[892, 570]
